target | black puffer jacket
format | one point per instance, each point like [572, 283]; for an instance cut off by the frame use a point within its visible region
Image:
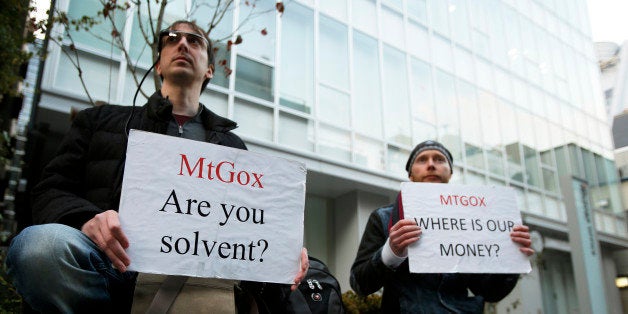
[85, 176]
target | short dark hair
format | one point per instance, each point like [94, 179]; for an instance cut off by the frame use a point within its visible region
[198, 30]
[429, 145]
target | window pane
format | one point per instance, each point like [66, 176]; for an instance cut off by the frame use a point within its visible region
[460, 22]
[333, 106]
[255, 43]
[513, 158]
[297, 59]
[369, 153]
[215, 101]
[464, 64]
[367, 95]
[473, 178]
[253, 120]
[392, 26]
[441, 52]
[422, 131]
[439, 12]
[447, 114]
[221, 74]
[532, 166]
[99, 75]
[78, 9]
[336, 8]
[334, 53]
[470, 124]
[495, 161]
[397, 113]
[334, 143]
[365, 15]
[296, 132]
[139, 51]
[397, 159]
[549, 180]
[254, 78]
[421, 91]
[418, 41]
[535, 202]
[490, 119]
[418, 10]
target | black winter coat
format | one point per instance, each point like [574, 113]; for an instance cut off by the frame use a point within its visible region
[85, 176]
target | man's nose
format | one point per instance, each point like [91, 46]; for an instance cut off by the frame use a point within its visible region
[183, 43]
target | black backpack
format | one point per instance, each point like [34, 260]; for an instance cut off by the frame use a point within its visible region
[319, 292]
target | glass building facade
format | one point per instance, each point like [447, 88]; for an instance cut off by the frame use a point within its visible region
[511, 87]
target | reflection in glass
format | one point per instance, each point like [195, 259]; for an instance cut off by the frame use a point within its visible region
[439, 12]
[220, 73]
[392, 26]
[215, 101]
[473, 178]
[460, 22]
[333, 142]
[396, 102]
[337, 8]
[422, 131]
[447, 114]
[396, 163]
[532, 166]
[418, 44]
[441, 53]
[369, 153]
[535, 202]
[513, 159]
[297, 59]
[253, 120]
[421, 91]
[495, 161]
[296, 132]
[549, 180]
[334, 53]
[366, 93]
[364, 15]
[254, 78]
[257, 44]
[417, 10]
[77, 9]
[333, 106]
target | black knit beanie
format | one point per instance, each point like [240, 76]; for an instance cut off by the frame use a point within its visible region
[429, 145]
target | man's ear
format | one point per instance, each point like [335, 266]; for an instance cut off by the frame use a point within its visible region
[158, 67]
[210, 72]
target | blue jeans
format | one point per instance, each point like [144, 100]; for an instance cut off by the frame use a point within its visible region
[57, 268]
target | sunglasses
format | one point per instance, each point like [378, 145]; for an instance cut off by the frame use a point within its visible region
[173, 37]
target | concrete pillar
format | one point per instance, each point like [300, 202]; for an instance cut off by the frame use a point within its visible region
[350, 214]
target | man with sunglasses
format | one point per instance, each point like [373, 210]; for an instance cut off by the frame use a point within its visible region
[73, 259]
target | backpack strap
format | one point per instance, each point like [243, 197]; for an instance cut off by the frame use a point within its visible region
[397, 212]
[167, 293]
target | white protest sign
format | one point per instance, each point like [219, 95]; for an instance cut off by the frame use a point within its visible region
[465, 229]
[198, 209]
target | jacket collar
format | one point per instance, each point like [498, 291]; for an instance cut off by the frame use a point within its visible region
[160, 108]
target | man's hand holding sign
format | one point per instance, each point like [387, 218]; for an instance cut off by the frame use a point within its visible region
[219, 212]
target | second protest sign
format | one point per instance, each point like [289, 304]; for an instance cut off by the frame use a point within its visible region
[466, 229]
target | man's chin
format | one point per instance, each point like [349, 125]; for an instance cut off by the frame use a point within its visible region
[432, 179]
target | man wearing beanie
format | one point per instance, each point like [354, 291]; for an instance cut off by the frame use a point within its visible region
[382, 256]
